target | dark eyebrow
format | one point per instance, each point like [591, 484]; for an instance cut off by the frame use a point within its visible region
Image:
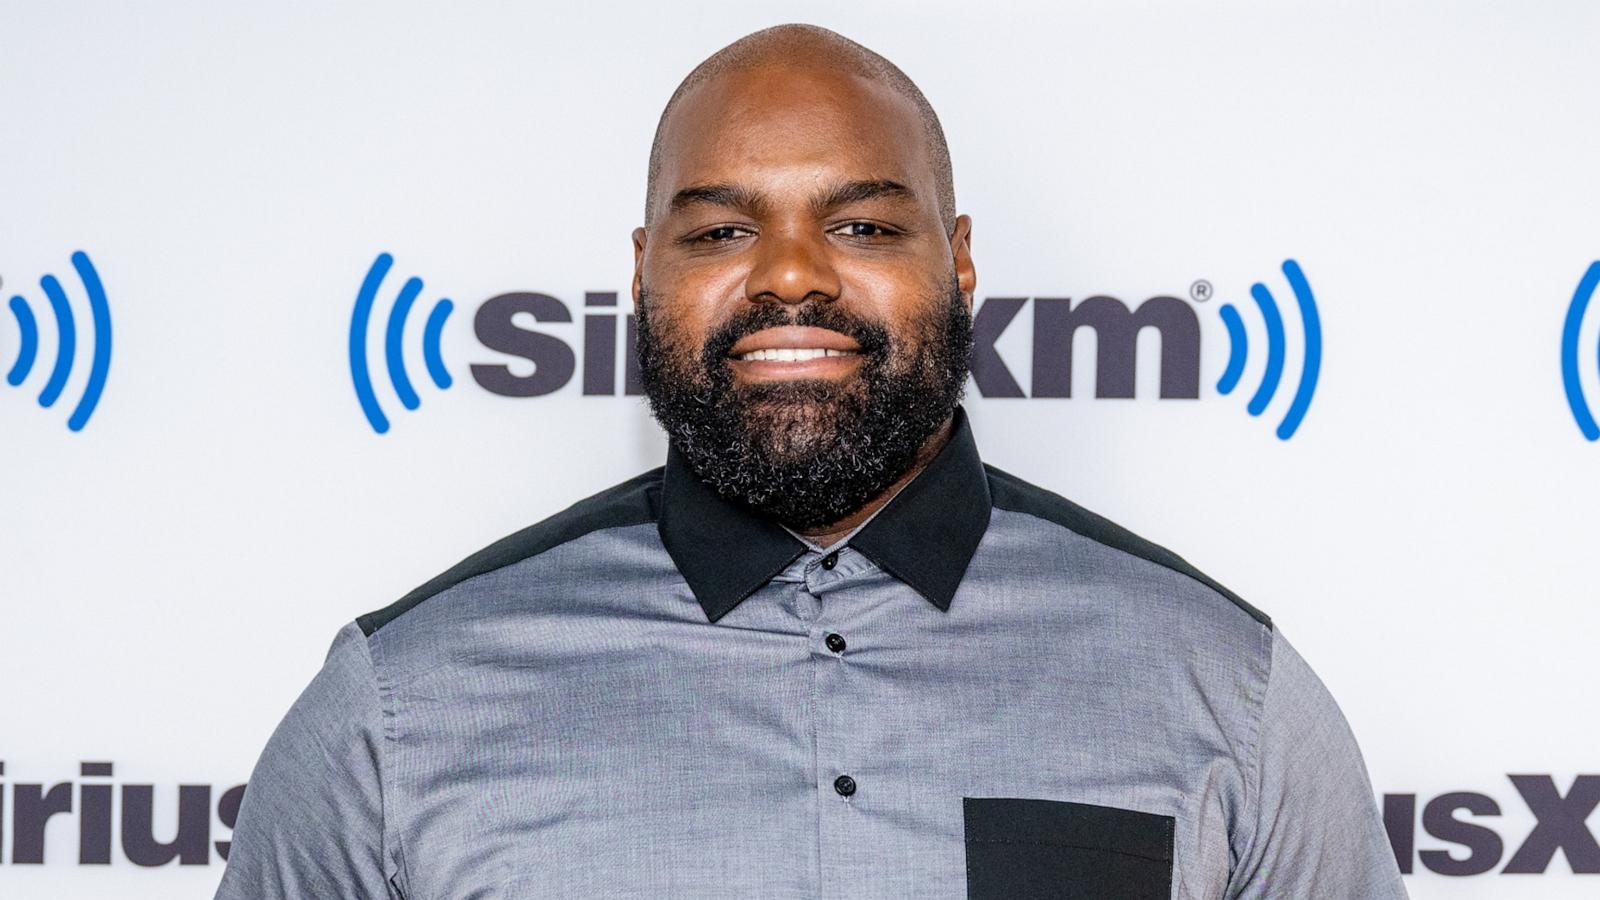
[730, 195]
[859, 191]
[738, 197]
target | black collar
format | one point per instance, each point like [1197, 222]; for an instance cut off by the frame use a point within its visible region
[925, 536]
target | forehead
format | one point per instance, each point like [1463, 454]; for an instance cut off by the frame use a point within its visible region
[779, 124]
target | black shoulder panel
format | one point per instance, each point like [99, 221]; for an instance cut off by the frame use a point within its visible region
[1014, 494]
[633, 502]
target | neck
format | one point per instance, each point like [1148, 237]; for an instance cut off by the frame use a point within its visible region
[825, 535]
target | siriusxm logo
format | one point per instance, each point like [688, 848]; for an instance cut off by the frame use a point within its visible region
[66, 334]
[1310, 363]
[1560, 824]
[1116, 328]
[496, 328]
[1056, 320]
[393, 333]
[1582, 411]
[93, 801]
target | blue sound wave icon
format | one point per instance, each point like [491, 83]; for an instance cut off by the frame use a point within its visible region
[1569, 352]
[1239, 349]
[393, 335]
[66, 341]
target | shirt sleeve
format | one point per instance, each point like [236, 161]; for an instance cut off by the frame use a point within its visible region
[1316, 831]
[311, 820]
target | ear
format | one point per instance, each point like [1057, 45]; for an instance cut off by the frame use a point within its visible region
[638, 261]
[961, 256]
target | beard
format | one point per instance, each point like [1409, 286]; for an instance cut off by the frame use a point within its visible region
[806, 452]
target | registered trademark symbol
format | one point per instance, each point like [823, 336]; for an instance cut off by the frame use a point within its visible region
[1200, 291]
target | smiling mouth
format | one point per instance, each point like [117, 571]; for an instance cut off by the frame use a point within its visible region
[795, 351]
[792, 354]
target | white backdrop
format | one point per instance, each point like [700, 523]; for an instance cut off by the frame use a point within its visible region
[171, 574]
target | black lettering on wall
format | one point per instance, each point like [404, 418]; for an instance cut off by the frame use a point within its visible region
[94, 816]
[599, 347]
[1483, 845]
[989, 372]
[553, 362]
[192, 844]
[1559, 826]
[1116, 329]
[228, 814]
[31, 811]
[1400, 821]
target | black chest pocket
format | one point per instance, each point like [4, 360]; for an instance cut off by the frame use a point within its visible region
[1019, 848]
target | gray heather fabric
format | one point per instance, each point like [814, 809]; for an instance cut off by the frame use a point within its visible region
[571, 725]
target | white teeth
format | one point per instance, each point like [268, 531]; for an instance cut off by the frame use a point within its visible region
[791, 354]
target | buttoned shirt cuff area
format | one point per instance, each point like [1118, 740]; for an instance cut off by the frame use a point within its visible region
[311, 823]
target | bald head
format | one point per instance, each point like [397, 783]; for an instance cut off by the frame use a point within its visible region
[809, 47]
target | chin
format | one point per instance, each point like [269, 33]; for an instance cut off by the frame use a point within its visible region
[796, 428]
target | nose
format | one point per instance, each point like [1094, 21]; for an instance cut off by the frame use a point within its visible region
[792, 268]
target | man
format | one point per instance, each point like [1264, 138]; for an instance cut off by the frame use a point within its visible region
[824, 651]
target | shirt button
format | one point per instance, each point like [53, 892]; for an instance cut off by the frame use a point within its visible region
[835, 642]
[831, 560]
[845, 785]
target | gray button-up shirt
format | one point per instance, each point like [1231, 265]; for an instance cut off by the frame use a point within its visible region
[988, 692]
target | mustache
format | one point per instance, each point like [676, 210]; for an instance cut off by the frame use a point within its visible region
[871, 336]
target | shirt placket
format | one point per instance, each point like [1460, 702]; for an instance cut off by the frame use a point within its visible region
[838, 792]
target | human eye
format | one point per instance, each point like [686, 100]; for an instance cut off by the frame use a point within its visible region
[719, 234]
[865, 230]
